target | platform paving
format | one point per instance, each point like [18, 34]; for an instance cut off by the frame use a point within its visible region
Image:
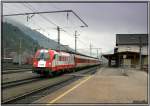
[107, 85]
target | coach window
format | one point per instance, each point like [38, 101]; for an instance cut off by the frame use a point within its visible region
[69, 58]
[65, 58]
[59, 58]
[55, 56]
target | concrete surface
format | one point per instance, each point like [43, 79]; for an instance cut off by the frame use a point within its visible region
[108, 85]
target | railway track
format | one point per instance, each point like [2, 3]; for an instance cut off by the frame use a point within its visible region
[17, 68]
[33, 88]
[10, 84]
[8, 67]
[15, 71]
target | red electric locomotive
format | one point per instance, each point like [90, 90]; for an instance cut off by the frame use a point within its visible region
[47, 62]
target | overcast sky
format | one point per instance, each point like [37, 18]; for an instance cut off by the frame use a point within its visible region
[104, 21]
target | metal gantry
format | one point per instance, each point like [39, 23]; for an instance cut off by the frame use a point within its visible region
[47, 12]
[58, 27]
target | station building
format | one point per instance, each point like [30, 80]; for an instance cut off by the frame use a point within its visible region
[131, 51]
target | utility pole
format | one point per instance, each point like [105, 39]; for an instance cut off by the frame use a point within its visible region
[90, 49]
[75, 41]
[4, 55]
[58, 29]
[97, 53]
[20, 51]
[101, 52]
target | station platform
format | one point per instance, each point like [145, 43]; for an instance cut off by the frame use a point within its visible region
[107, 85]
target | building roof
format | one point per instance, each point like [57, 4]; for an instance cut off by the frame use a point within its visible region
[131, 39]
[114, 56]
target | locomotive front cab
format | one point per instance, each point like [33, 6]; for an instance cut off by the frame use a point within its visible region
[42, 62]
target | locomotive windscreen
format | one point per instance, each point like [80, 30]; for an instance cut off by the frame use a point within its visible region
[43, 56]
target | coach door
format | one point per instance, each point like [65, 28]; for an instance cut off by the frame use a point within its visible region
[56, 59]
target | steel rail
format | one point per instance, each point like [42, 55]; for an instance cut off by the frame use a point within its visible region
[15, 71]
[90, 71]
[19, 82]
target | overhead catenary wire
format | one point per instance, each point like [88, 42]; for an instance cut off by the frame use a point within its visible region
[47, 12]
[40, 28]
[34, 10]
[73, 22]
[46, 18]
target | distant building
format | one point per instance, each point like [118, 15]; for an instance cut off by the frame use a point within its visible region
[131, 50]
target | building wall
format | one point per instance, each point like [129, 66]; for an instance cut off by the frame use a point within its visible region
[127, 62]
[131, 62]
[135, 62]
[145, 60]
[144, 50]
[132, 48]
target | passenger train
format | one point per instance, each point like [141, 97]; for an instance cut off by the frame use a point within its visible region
[49, 62]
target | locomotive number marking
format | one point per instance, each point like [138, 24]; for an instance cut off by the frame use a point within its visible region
[41, 63]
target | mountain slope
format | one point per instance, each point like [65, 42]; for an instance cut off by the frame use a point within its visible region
[13, 39]
[40, 38]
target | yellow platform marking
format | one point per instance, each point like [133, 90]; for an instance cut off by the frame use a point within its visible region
[65, 93]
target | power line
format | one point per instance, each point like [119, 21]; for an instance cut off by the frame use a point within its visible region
[44, 17]
[58, 28]
[78, 39]
[34, 10]
[85, 25]
[33, 20]
[70, 35]
[73, 22]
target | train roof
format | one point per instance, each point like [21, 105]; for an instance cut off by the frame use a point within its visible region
[77, 53]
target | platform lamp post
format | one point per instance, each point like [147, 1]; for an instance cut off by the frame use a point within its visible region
[76, 36]
[19, 49]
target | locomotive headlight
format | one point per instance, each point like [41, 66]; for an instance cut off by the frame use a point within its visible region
[34, 63]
